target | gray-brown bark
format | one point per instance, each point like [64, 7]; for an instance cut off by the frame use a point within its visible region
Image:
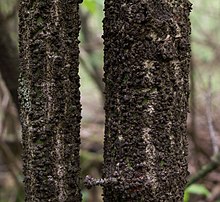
[50, 99]
[146, 63]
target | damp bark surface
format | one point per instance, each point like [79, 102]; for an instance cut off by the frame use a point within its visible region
[50, 99]
[146, 64]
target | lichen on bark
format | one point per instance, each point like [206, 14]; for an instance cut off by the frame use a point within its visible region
[146, 64]
[50, 99]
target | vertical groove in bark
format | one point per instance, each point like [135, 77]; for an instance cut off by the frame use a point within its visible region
[50, 99]
[146, 63]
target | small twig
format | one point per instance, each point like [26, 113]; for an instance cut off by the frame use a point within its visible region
[92, 182]
[205, 170]
[4, 105]
[92, 71]
[87, 49]
[124, 179]
[7, 154]
[215, 160]
[193, 100]
[193, 130]
[209, 119]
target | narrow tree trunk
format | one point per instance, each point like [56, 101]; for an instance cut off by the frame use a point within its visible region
[50, 99]
[146, 63]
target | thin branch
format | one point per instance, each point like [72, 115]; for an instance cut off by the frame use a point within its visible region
[205, 170]
[92, 71]
[90, 44]
[92, 182]
[212, 132]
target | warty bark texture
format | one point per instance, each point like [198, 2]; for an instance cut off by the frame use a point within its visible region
[50, 99]
[146, 64]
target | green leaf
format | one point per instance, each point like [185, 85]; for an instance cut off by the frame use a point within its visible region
[85, 196]
[90, 5]
[197, 189]
[186, 196]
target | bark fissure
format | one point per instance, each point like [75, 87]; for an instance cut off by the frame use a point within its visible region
[50, 99]
[146, 63]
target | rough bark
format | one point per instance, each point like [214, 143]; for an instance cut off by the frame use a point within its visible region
[50, 99]
[146, 64]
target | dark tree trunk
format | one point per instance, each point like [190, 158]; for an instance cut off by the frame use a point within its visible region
[50, 99]
[146, 63]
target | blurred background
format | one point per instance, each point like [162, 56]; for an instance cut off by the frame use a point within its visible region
[203, 121]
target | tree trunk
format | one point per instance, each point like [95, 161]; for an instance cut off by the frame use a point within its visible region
[146, 63]
[50, 99]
